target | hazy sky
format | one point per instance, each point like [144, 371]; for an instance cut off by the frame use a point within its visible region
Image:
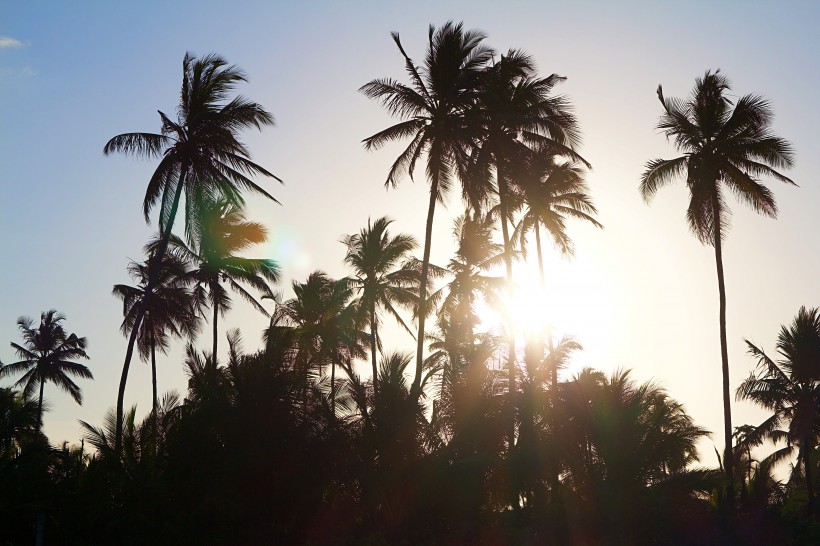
[640, 294]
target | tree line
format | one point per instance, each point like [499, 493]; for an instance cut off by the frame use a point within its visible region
[291, 444]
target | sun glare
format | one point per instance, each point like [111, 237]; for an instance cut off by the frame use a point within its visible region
[574, 301]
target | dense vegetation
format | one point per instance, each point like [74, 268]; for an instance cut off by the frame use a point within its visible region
[476, 436]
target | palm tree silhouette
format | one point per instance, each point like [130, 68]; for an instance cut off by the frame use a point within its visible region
[722, 147]
[199, 154]
[437, 115]
[168, 308]
[223, 232]
[383, 278]
[520, 117]
[48, 354]
[552, 190]
[326, 326]
[790, 388]
[475, 255]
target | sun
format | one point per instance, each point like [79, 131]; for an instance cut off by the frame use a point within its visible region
[574, 300]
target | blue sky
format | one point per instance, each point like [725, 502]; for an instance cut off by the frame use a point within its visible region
[640, 294]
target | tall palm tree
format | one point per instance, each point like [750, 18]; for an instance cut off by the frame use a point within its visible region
[168, 308]
[520, 117]
[223, 233]
[553, 190]
[382, 276]
[200, 154]
[723, 147]
[437, 115]
[790, 389]
[48, 354]
[326, 326]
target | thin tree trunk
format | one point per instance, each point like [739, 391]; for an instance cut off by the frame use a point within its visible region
[502, 198]
[415, 391]
[540, 257]
[149, 287]
[154, 376]
[728, 458]
[373, 348]
[333, 386]
[40, 407]
[510, 326]
[807, 471]
[215, 326]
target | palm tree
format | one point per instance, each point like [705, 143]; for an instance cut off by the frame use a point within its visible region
[553, 190]
[382, 276]
[722, 147]
[475, 255]
[199, 154]
[326, 325]
[790, 388]
[224, 232]
[168, 308]
[437, 115]
[520, 117]
[48, 354]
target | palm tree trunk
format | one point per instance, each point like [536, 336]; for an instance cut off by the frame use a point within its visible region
[215, 326]
[510, 328]
[415, 391]
[373, 348]
[540, 257]
[333, 386]
[154, 376]
[152, 279]
[502, 199]
[806, 448]
[40, 407]
[728, 458]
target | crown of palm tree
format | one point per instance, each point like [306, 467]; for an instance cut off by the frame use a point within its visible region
[200, 151]
[722, 146]
[789, 388]
[169, 312]
[553, 190]
[48, 354]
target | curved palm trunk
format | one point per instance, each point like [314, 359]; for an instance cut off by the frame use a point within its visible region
[373, 348]
[40, 407]
[728, 459]
[415, 391]
[152, 279]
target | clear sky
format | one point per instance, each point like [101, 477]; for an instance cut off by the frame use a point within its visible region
[640, 294]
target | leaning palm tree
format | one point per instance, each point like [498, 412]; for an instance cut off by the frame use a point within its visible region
[790, 389]
[553, 190]
[224, 232]
[48, 354]
[382, 278]
[200, 154]
[168, 312]
[437, 115]
[724, 147]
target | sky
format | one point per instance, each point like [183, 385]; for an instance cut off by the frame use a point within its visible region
[639, 294]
